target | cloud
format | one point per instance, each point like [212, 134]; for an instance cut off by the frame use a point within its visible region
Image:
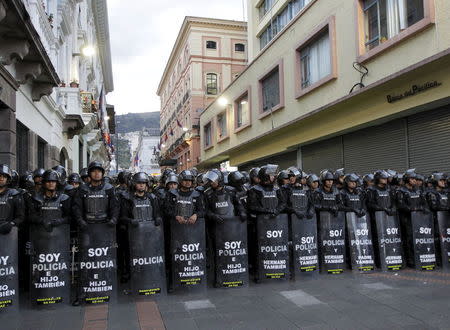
[142, 35]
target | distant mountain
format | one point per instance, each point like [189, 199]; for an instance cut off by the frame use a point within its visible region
[132, 122]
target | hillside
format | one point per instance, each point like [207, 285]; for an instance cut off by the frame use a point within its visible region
[132, 122]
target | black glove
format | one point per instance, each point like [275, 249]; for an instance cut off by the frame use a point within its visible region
[300, 215]
[158, 221]
[5, 227]
[391, 212]
[361, 213]
[243, 217]
[111, 223]
[48, 225]
[425, 211]
[82, 224]
[309, 215]
[217, 218]
[334, 210]
[274, 213]
[134, 222]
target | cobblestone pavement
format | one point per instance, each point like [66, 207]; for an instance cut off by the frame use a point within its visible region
[404, 300]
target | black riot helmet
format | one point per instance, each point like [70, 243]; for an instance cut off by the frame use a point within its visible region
[140, 177]
[312, 178]
[283, 175]
[74, 178]
[267, 171]
[339, 173]
[351, 177]
[14, 182]
[294, 171]
[236, 179]
[26, 181]
[194, 171]
[50, 175]
[326, 175]
[96, 165]
[84, 173]
[213, 176]
[397, 179]
[39, 172]
[62, 173]
[368, 178]
[436, 177]
[246, 176]
[409, 174]
[380, 174]
[254, 172]
[199, 179]
[420, 177]
[391, 173]
[6, 171]
[171, 178]
[186, 175]
[225, 176]
[122, 177]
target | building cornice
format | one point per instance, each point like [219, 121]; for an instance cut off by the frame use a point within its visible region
[185, 27]
[100, 11]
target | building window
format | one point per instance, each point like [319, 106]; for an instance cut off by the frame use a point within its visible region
[41, 153]
[239, 47]
[211, 83]
[384, 19]
[222, 130]
[271, 90]
[265, 6]
[211, 44]
[315, 60]
[242, 111]
[207, 133]
[278, 22]
[22, 147]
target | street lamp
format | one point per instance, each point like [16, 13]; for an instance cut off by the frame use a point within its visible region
[88, 50]
[222, 101]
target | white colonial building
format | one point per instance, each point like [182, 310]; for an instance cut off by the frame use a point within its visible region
[56, 70]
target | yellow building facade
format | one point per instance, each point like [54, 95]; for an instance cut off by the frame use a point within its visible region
[361, 84]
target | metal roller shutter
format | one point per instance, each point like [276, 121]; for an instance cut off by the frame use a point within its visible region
[324, 154]
[282, 160]
[429, 138]
[377, 147]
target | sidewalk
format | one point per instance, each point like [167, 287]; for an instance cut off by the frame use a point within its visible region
[406, 300]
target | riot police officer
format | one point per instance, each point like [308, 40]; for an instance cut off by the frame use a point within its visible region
[381, 204]
[439, 203]
[254, 179]
[140, 212]
[49, 218]
[187, 228]
[85, 175]
[352, 199]
[62, 183]
[11, 216]
[74, 180]
[414, 213]
[312, 180]
[339, 175]
[327, 197]
[37, 178]
[96, 210]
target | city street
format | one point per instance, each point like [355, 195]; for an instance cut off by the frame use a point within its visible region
[404, 300]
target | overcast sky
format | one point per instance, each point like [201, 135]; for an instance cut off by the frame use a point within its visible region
[142, 35]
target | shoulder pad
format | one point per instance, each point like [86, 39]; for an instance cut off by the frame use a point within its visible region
[13, 192]
[84, 188]
[173, 192]
[257, 187]
[195, 193]
[229, 189]
[68, 187]
[208, 192]
[108, 186]
[64, 197]
[37, 197]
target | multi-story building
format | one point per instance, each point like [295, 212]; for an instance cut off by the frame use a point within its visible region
[207, 56]
[145, 151]
[360, 84]
[55, 59]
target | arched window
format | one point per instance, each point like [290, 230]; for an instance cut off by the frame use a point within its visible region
[62, 157]
[211, 83]
[239, 47]
[211, 44]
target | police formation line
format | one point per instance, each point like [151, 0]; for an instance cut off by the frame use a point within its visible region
[66, 240]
